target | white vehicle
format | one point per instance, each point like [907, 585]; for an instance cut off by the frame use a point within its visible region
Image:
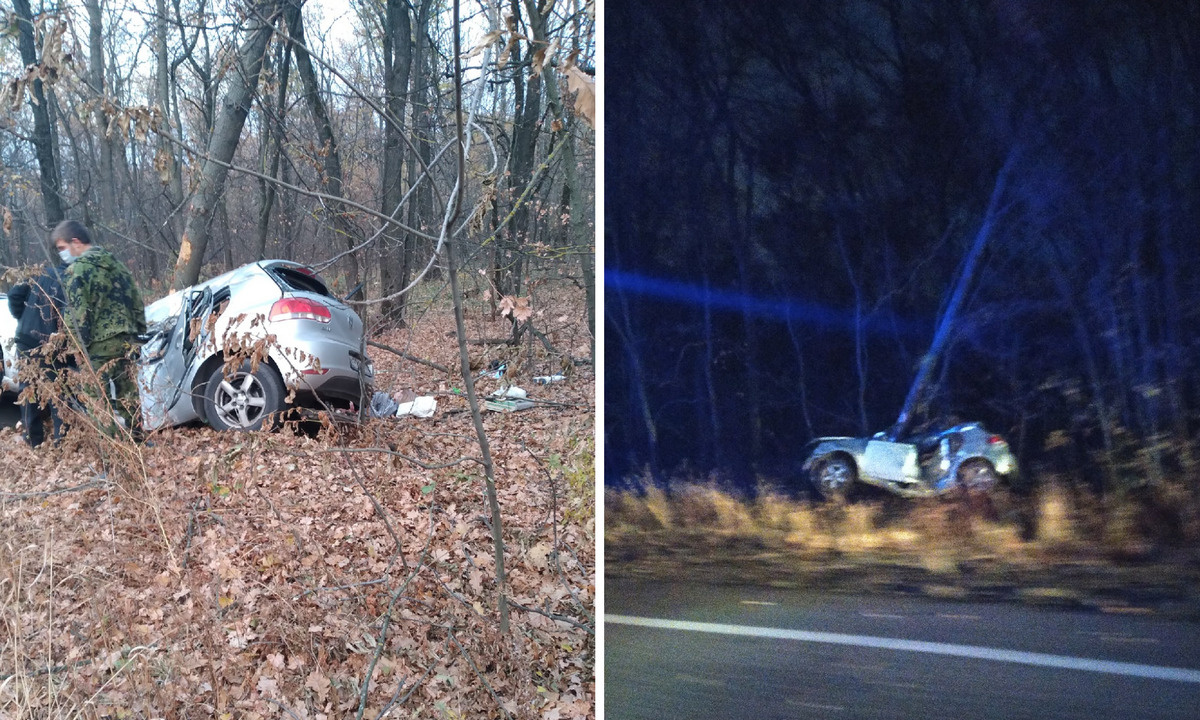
[963, 457]
[8, 347]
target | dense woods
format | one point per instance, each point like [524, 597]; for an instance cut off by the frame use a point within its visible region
[793, 194]
[197, 136]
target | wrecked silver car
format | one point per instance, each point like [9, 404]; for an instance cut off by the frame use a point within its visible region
[963, 457]
[236, 350]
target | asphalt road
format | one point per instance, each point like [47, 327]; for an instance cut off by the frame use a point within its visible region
[680, 651]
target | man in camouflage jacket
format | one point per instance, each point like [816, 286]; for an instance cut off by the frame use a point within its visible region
[105, 315]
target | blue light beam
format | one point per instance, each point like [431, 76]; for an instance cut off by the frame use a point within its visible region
[779, 310]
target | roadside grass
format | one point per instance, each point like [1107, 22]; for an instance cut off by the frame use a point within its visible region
[1056, 523]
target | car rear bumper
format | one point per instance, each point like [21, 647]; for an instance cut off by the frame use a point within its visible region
[343, 374]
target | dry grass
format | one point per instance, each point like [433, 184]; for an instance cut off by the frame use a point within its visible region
[253, 575]
[1056, 523]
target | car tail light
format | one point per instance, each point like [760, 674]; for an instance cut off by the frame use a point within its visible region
[995, 440]
[299, 309]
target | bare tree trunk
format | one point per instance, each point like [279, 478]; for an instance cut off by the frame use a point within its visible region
[398, 55]
[107, 178]
[43, 139]
[582, 236]
[468, 376]
[324, 128]
[203, 70]
[227, 236]
[712, 409]
[273, 144]
[1060, 267]
[527, 110]
[860, 349]
[288, 225]
[166, 161]
[420, 206]
[221, 147]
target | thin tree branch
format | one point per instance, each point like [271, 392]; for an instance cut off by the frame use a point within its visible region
[406, 356]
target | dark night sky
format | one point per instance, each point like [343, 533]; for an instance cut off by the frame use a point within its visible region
[791, 189]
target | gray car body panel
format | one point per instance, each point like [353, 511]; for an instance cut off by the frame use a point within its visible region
[312, 356]
[8, 345]
[902, 467]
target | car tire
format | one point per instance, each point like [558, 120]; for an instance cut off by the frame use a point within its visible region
[246, 399]
[977, 476]
[833, 476]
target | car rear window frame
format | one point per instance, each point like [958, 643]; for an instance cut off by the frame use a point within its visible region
[291, 277]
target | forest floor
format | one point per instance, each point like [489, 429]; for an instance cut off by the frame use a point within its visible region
[1055, 547]
[345, 572]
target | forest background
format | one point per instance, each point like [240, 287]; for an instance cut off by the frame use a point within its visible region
[794, 192]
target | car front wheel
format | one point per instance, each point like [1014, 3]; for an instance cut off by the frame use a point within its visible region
[833, 476]
[246, 399]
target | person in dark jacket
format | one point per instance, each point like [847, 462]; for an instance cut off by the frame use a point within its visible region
[38, 307]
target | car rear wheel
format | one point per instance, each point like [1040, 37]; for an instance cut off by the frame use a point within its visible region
[977, 476]
[833, 476]
[246, 399]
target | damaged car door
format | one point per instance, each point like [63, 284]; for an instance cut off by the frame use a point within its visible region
[168, 355]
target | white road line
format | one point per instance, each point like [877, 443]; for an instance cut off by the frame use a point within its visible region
[1066, 662]
[816, 706]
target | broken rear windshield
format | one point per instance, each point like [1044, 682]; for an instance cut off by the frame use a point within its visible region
[299, 278]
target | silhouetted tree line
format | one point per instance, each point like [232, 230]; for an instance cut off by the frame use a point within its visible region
[808, 178]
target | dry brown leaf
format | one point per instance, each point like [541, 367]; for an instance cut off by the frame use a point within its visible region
[268, 686]
[522, 312]
[513, 36]
[162, 163]
[485, 42]
[516, 308]
[502, 61]
[538, 555]
[243, 565]
[542, 57]
[318, 683]
[584, 88]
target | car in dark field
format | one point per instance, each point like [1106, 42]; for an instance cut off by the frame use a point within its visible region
[965, 457]
[237, 349]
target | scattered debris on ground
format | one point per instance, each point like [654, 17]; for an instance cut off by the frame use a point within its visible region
[314, 573]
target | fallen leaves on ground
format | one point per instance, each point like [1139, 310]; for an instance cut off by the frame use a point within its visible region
[267, 575]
